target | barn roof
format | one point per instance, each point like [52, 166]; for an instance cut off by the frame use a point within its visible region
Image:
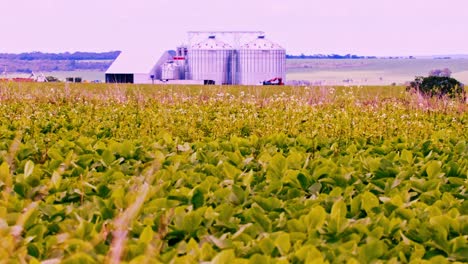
[136, 61]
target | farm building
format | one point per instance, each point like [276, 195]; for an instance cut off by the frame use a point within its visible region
[137, 67]
[210, 57]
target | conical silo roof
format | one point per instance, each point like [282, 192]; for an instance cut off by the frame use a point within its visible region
[261, 43]
[212, 44]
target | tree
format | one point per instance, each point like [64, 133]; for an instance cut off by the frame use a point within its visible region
[439, 86]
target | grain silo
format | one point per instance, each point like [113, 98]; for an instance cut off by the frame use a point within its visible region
[261, 61]
[211, 61]
[170, 71]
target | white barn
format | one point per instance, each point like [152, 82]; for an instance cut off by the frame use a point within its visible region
[138, 67]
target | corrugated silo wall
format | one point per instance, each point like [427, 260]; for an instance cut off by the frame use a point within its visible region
[170, 72]
[215, 65]
[256, 66]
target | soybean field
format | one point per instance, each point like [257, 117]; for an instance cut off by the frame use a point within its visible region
[106, 173]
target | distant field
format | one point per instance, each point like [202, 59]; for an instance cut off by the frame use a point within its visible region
[371, 71]
[86, 75]
[62, 75]
[338, 72]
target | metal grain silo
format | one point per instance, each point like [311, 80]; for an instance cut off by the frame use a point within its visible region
[261, 60]
[211, 60]
[170, 71]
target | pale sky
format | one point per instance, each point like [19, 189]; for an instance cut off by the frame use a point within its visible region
[363, 27]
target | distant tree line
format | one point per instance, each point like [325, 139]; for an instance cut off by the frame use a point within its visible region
[112, 55]
[28, 66]
[76, 56]
[329, 56]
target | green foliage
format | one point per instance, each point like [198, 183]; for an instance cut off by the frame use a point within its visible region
[438, 86]
[175, 175]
